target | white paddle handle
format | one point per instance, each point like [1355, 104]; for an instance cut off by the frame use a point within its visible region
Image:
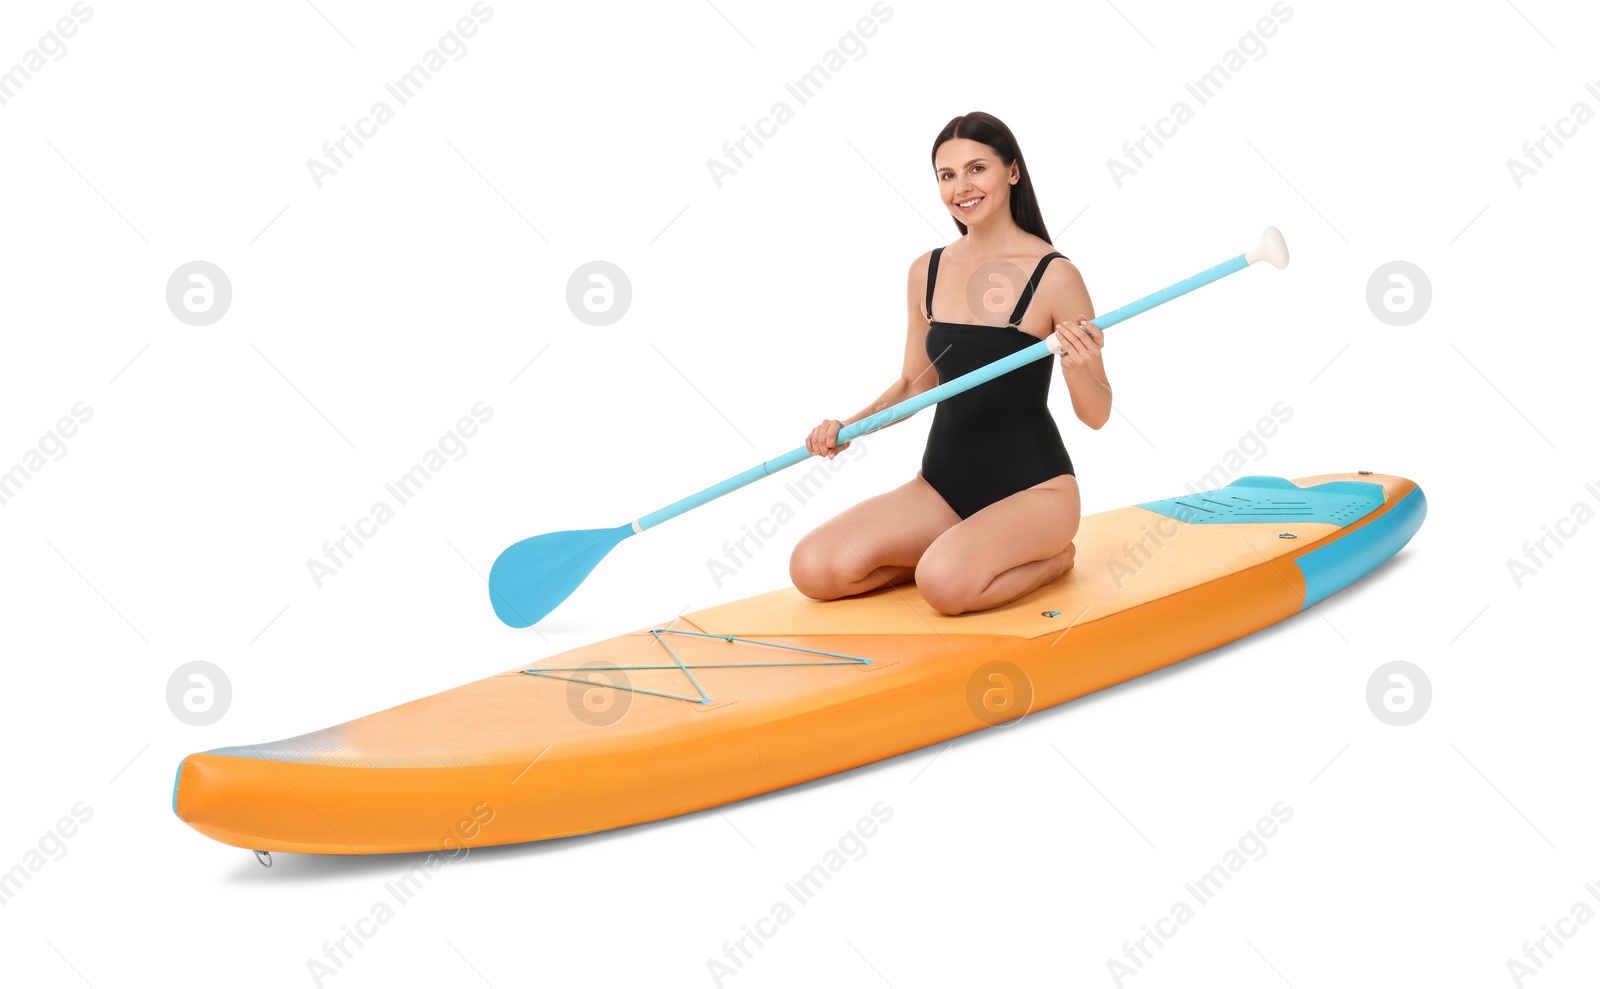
[1270, 249]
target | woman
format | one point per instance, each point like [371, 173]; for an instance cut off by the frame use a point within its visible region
[991, 514]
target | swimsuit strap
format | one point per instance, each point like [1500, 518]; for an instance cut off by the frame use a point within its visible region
[1027, 293]
[933, 272]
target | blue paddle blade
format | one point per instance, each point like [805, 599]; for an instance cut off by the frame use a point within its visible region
[533, 576]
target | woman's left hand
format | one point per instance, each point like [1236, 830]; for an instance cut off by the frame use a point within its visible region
[1081, 341]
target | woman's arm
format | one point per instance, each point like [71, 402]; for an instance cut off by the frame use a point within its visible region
[1081, 364]
[916, 371]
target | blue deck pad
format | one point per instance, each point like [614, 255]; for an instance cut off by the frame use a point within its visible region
[1259, 498]
[1352, 556]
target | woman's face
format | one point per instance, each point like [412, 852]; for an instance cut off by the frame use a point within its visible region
[973, 182]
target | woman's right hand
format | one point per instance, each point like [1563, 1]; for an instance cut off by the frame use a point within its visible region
[820, 442]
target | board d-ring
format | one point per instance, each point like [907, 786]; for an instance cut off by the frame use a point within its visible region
[265, 858]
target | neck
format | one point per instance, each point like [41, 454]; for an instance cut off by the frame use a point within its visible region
[993, 236]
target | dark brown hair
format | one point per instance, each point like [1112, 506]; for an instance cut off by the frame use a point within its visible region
[986, 128]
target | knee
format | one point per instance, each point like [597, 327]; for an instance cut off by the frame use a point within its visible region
[944, 584]
[812, 571]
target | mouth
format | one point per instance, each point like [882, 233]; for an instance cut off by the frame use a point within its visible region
[968, 205]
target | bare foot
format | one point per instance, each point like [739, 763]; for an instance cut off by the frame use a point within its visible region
[1066, 557]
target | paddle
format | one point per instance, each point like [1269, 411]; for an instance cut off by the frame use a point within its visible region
[532, 577]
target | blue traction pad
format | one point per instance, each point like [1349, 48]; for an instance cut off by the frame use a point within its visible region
[1340, 563]
[1260, 498]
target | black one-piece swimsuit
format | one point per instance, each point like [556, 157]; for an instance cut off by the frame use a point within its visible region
[998, 438]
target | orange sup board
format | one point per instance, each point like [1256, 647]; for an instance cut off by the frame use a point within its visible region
[777, 689]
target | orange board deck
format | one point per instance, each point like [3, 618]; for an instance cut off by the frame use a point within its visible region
[777, 689]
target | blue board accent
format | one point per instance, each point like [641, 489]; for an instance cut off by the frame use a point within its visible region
[1356, 554]
[1260, 498]
[175, 778]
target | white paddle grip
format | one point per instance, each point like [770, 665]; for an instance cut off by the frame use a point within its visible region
[1270, 249]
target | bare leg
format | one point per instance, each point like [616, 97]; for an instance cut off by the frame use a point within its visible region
[874, 543]
[1003, 552]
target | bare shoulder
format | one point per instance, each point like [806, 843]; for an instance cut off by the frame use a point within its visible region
[1063, 269]
[1063, 292]
[917, 287]
[917, 277]
[1061, 274]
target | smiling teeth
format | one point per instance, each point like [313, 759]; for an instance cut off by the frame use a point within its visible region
[968, 202]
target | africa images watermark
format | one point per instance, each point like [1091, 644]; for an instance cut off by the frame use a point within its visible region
[1251, 847]
[452, 445]
[1538, 553]
[51, 847]
[851, 847]
[736, 553]
[336, 153]
[1139, 553]
[736, 153]
[1252, 444]
[1537, 152]
[51, 45]
[1538, 951]
[1137, 152]
[52, 446]
[453, 847]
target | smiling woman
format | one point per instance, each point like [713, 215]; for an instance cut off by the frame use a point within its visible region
[992, 513]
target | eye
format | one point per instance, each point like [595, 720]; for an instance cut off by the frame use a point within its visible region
[977, 168]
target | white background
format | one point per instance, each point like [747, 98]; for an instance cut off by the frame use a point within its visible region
[369, 315]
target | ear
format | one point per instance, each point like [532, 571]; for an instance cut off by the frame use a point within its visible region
[1016, 174]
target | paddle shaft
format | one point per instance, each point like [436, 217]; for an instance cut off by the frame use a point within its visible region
[955, 386]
